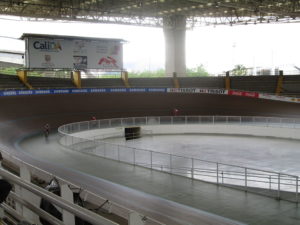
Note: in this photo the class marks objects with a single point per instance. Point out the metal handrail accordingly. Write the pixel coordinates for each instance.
(4, 150)
(212, 119)
(244, 174)
(53, 220)
(75, 209)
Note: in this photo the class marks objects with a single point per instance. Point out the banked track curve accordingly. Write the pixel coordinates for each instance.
(24, 115)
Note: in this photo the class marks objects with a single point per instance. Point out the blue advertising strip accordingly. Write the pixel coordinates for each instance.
(83, 90)
(136, 90)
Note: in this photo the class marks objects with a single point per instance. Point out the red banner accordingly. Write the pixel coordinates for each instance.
(244, 93)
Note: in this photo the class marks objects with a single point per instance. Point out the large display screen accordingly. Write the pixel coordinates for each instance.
(78, 54)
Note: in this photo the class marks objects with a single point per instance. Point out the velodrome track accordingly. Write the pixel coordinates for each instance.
(23, 115)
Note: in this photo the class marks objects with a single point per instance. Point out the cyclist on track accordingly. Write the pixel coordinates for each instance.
(46, 130)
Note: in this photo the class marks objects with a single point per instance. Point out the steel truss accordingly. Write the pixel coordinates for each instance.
(152, 12)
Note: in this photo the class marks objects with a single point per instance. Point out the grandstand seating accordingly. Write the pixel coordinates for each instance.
(291, 85)
(264, 84)
(162, 82)
(202, 82)
(50, 82)
(8, 82)
(103, 82)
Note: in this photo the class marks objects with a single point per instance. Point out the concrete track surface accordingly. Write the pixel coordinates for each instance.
(23, 115)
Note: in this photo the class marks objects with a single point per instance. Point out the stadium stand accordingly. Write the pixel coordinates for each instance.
(105, 83)
(8, 82)
(50, 82)
(201, 82)
(291, 85)
(163, 82)
(263, 84)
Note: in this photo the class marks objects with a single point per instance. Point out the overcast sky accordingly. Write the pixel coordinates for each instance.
(217, 48)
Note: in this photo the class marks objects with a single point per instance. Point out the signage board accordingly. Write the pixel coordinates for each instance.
(59, 52)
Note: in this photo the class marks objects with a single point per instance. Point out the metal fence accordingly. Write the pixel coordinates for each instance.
(266, 182)
(60, 201)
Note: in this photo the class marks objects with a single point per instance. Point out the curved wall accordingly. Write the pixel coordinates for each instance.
(21, 115)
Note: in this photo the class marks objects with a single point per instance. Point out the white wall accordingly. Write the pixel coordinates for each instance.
(225, 129)
(202, 129)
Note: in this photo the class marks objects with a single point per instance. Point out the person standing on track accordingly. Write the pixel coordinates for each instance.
(175, 112)
(46, 130)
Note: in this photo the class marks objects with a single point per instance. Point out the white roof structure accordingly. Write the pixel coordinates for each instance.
(11, 58)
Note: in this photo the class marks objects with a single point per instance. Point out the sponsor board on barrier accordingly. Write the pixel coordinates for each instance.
(150, 90)
(279, 98)
(61, 91)
(137, 90)
(117, 90)
(197, 90)
(244, 93)
(42, 92)
(8, 93)
(181, 90)
(98, 90)
(157, 89)
(217, 91)
(78, 91)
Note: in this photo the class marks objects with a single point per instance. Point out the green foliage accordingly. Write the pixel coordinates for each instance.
(198, 71)
(13, 71)
(35, 73)
(239, 70)
(109, 75)
(8, 70)
(147, 73)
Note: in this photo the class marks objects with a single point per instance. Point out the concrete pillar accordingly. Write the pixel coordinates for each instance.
(174, 32)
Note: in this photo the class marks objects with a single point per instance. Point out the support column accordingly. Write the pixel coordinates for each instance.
(124, 77)
(227, 81)
(175, 81)
(279, 86)
(76, 77)
(22, 74)
(174, 32)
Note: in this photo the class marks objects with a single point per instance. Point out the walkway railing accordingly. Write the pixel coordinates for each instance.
(266, 182)
(24, 183)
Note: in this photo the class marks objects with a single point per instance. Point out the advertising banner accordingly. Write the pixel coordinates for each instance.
(47, 53)
(78, 91)
(244, 93)
(278, 98)
(75, 54)
(198, 90)
(149, 90)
